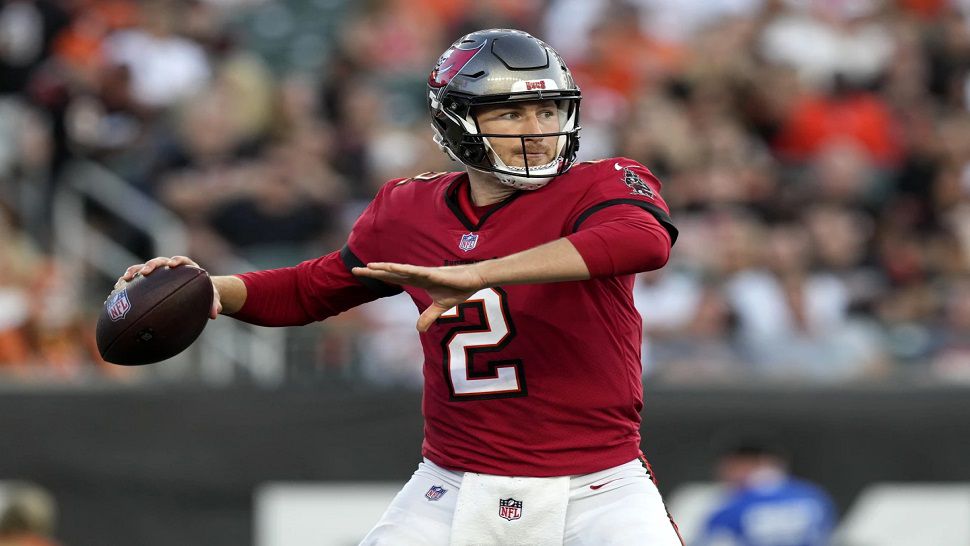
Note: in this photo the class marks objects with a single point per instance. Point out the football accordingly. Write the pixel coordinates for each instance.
(154, 317)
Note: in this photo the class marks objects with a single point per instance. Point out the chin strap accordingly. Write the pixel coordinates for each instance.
(525, 182)
(521, 182)
(517, 182)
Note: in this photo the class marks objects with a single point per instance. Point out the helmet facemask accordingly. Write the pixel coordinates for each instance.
(519, 170)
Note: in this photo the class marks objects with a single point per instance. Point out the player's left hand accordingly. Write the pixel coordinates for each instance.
(447, 286)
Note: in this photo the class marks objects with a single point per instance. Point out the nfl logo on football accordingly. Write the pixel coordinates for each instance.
(435, 493)
(468, 241)
(510, 508)
(118, 306)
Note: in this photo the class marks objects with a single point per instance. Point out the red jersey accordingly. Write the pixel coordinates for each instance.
(521, 380)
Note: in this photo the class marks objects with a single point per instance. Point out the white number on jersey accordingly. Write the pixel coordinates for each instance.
(504, 378)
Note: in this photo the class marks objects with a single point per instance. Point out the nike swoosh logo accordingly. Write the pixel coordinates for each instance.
(617, 167)
(597, 486)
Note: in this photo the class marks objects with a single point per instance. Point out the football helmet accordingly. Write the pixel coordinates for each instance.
(499, 66)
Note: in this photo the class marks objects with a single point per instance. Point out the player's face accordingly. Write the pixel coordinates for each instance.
(521, 118)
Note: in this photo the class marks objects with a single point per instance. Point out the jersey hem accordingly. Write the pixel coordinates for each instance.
(615, 458)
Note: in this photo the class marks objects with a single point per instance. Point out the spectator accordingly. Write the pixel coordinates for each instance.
(795, 323)
(763, 504)
(826, 40)
(689, 336)
(27, 30)
(163, 66)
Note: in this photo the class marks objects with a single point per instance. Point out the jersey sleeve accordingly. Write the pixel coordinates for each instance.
(621, 240)
(622, 181)
(311, 291)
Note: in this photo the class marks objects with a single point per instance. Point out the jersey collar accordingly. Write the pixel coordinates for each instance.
(458, 198)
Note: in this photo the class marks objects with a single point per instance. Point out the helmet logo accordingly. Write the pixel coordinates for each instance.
(451, 63)
(546, 84)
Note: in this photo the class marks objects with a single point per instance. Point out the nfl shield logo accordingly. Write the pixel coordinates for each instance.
(468, 241)
(118, 305)
(435, 493)
(510, 508)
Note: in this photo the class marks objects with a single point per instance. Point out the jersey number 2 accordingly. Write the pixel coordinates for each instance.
(502, 378)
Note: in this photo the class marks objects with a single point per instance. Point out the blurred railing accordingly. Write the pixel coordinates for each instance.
(228, 349)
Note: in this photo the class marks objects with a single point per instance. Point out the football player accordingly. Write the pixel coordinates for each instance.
(523, 266)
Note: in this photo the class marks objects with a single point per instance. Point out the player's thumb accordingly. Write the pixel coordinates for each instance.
(216, 305)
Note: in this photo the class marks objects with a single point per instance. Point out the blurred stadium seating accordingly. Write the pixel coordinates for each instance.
(815, 154)
(811, 152)
(897, 514)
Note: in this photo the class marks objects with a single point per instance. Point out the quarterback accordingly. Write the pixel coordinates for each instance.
(522, 266)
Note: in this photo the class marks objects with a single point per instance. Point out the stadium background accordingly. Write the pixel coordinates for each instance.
(815, 155)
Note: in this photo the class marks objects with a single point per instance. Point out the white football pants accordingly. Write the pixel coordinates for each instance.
(618, 506)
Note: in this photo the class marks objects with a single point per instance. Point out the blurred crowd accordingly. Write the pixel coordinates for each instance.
(815, 155)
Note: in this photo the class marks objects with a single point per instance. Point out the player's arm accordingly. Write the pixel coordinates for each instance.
(615, 241)
(232, 293)
(448, 286)
(290, 296)
(555, 261)
(620, 241)
(310, 291)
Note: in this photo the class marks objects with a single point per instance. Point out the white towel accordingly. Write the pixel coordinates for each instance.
(510, 511)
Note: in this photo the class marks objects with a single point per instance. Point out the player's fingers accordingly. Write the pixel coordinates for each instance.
(152, 265)
(416, 275)
(176, 261)
(385, 276)
(402, 269)
(367, 272)
(129, 273)
(424, 277)
(431, 314)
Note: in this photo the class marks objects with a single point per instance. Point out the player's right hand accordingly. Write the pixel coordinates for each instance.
(175, 261)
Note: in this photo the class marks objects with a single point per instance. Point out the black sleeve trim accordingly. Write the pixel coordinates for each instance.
(656, 211)
(380, 288)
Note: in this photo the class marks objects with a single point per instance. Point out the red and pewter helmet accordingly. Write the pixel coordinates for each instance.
(500, 66)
